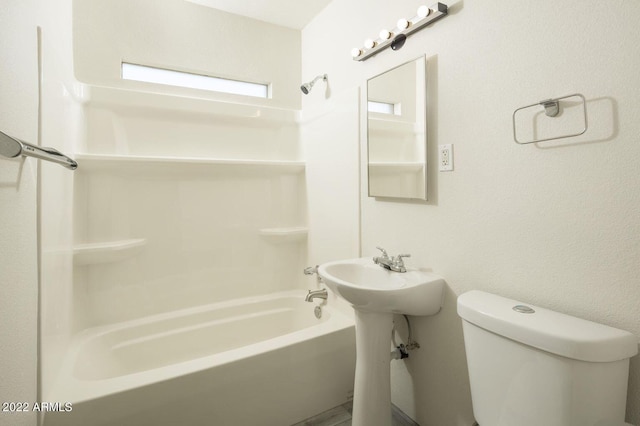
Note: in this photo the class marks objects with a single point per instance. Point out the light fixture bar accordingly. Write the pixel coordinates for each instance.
(433, 13)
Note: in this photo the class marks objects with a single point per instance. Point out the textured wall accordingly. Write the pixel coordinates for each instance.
(554, 224)
(18, 250)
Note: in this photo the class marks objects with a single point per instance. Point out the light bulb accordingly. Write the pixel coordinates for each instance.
(369, 44)
(403, 23)
(385, 35)
(355, 52)
(424, 11)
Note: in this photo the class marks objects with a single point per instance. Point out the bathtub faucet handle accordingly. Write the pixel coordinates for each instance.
(310, 270)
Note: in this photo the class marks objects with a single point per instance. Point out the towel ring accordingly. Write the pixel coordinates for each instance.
(551, 109)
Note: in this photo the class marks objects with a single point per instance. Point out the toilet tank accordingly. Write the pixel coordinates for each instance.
(530, 366)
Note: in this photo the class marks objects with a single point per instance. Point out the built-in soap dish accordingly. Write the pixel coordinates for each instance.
(284, 235)
(107, 252)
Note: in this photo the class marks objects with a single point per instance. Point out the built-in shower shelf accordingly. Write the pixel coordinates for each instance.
(284, 235)
(131, 164)
(127, 100)
(107, 252)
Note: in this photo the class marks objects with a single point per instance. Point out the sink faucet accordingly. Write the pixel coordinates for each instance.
(316, 294)
(395, 264)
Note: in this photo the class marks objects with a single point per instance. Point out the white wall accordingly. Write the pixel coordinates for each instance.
(327, 130)
(332, 195)
(188, 37)
(18, 248)
(554, 224)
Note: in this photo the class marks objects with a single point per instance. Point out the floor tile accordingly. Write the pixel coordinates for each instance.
(341, 416)
(335, 416)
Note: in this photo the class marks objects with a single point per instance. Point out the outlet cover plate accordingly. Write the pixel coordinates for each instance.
(445, 157)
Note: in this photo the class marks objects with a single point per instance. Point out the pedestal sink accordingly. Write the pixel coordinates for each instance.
(376, 294)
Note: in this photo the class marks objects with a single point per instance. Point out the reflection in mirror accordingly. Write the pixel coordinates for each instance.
(396, 128)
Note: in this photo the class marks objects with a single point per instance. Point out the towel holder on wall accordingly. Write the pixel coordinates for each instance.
(552, 109)
(11, 147)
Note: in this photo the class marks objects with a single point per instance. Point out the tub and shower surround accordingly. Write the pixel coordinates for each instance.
(189, 242)
(178, 203)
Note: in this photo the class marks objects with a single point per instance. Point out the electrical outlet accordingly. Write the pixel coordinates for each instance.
(445, 157)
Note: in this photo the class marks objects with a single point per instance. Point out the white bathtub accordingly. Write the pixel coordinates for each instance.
(258, 361)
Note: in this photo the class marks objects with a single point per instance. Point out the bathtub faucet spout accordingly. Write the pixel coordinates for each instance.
(317, 294)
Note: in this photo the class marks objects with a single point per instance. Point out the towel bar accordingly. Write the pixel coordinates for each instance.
(12, 147)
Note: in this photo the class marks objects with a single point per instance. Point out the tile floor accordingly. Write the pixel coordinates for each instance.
(341, 416)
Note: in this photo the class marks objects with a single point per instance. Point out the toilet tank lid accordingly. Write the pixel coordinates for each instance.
(547, 330)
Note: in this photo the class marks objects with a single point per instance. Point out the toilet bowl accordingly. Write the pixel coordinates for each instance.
(530, 366)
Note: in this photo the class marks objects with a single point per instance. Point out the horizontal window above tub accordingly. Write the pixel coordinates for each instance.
(193, 81)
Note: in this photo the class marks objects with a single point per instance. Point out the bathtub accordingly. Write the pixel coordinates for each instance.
(256, 361)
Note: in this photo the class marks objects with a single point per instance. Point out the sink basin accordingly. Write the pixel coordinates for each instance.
(369, 287)
(376, 294)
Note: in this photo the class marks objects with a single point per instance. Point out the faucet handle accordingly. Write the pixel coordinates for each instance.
(384, 252)
(310, 270)
(399, 260)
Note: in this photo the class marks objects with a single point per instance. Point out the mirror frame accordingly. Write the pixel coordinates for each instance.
(422, 196)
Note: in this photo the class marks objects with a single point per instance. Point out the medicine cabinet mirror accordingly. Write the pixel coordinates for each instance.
(397, 132)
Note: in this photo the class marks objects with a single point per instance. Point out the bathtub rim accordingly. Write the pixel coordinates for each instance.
(69, 388)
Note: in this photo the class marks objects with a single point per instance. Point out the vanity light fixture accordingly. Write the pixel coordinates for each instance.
(403, 24)
(398, 42)
(423, 11)
(396, 37)
(385, 34)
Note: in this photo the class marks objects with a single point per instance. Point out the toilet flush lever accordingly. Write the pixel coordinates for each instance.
(524, 309)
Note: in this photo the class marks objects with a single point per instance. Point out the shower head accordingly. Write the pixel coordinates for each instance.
(306, 87)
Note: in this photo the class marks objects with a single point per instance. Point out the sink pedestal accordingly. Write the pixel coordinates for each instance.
(372, 387)
(375, 294)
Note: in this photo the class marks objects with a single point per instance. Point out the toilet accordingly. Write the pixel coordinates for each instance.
(530, 366)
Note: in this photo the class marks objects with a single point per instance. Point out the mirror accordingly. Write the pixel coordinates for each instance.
(397, 132)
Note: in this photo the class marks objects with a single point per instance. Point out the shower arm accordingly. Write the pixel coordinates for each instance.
(322, 76)
(11, 147)
(306, 87)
